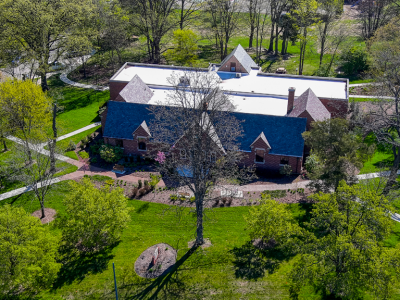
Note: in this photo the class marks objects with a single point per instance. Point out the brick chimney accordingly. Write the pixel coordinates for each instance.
(290, 99)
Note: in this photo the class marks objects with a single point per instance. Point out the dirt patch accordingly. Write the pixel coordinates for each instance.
(145, 267)
(50, 215)
(206, 244)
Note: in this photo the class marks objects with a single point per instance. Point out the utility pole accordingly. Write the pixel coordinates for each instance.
(115, 284)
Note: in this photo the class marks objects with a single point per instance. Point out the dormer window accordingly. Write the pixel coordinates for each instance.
(142, 144)
(183, 154)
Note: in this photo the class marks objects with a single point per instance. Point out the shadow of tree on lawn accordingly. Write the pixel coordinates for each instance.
(251, 262)
(75, 266)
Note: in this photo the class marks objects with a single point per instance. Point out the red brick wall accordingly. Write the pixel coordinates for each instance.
(115, 88)
(305, 114)
(337, 108)
(227, 67)
(131, 146)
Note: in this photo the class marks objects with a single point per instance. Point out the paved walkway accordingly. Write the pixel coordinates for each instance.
(65, 79)
(78, 131)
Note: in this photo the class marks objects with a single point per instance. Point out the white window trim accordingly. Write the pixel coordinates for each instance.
(255, 155)
(141, 137)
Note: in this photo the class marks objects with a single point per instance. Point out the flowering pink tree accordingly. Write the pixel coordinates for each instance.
(160, 157)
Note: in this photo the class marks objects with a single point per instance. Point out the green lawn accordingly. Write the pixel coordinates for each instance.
(63, 144)
(229, 269)
(6, 158)
(79, 106)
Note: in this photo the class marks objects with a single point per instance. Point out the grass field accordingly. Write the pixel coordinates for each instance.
(78, 106)
(229, 269)
(6, 158)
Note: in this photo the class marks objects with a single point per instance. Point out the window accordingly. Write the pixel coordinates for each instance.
(259, 155)
(284, 161)
(142, 144)
(119, 143)
(183, 154)
(213, 157)
(233, 67)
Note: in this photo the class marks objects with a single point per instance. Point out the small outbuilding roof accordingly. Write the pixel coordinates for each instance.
(283, 134)
(243, 58)
(309, 102)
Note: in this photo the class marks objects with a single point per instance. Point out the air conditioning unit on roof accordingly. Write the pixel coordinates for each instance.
(238, 75)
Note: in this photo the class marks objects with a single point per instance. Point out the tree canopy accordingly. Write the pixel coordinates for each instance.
(96, 217)
(27, 253)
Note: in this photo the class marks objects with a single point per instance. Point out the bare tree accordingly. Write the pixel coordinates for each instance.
(383, 119)
(277, 7)
(153, 19)
(330, 10)
(188, 9)
(225, 16)
(375, 14)
(196, 136)
(255, 8)
(37, 174)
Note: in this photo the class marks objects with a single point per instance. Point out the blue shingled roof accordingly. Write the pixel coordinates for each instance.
(282, 133)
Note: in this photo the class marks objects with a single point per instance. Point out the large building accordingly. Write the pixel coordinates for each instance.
(275, 109)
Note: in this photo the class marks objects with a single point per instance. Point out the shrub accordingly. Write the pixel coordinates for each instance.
(354, 61)
(84, 154)
(71, 146)
(155, 179)
(285, 170)
(134, 191)
(142, 191)
(109, 182)
(93, 160)
(146, 183)
(192, 199)
(139, 183)
(111, 153)
(84, 141)
(311, 163)
(173, 197)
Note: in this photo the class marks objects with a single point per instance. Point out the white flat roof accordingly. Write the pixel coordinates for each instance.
(251, 104)
(271, 84)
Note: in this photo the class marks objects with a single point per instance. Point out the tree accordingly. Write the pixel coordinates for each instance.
(375, 14)
(114, 30)
(384, 119)
(225, 16)
(25, 110)
(197, 133)
(273, 223)
(339, 152)
(345, 258)
(153, 19)
(184, 47)
(37, 172)
(188, 10)
(306, 14)
(96, 217)
(27, 253)
(42, 28)
(277, 7)
(331, 10)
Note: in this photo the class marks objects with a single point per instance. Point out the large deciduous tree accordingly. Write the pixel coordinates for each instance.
(375, 14)
(345, 257)
(26, 111)
(153, 19)
(184, 50)
(339, 151)
(196, 136)
(42, 29)
(96, 216)
(27, 253)
(225, 15)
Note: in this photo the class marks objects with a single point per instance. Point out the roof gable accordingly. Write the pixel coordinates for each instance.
(263, 138)
(144, 126)
(242, 57)
(136, 91)
(309, 102)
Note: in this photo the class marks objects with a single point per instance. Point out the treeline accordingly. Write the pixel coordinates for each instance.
(41, 33)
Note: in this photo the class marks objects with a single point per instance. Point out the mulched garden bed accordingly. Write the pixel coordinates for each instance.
(50, 215)
(144, 266)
